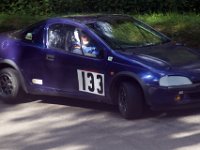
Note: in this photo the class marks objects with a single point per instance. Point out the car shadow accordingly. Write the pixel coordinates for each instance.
(112, 109)
(74, 103)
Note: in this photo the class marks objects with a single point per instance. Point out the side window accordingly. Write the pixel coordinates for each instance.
(56, 37)
(34, 35)
(73, 40)
(61, 37)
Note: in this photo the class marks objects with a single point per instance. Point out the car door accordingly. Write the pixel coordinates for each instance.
(31, 59)
(75, 73)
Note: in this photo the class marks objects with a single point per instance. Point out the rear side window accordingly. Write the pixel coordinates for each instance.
(34, 35)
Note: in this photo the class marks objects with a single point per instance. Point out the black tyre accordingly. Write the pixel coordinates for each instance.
(10, 88)
(130, 100)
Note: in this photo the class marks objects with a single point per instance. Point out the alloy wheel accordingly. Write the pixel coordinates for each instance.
(122, 100)
(6, 86)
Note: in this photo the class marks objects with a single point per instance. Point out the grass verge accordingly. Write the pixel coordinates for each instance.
(13, 22)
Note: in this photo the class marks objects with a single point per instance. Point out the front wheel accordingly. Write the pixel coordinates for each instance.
(130, 100)
(10, 88)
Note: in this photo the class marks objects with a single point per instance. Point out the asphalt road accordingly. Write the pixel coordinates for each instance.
(65, 124)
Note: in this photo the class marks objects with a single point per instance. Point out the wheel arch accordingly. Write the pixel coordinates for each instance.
(11, 64)
(126, 76)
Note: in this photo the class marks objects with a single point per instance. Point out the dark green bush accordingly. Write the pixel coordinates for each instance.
(45, 7)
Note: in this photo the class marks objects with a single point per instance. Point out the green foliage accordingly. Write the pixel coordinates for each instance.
(33, 7)
(181, 28)
(47, 7)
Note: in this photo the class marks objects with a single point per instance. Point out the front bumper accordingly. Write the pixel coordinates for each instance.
(173, 97)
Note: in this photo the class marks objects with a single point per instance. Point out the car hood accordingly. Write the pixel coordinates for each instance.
(168, 56)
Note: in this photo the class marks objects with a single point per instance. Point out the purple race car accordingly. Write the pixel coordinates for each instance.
(114, 59)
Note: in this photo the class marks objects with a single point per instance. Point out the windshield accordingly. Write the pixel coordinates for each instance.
(122, 32)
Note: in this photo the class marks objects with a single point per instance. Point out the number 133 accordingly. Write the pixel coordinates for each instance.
(91, 82)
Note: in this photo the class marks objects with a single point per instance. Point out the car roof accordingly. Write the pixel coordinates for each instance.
(85, 19)
(95, 17)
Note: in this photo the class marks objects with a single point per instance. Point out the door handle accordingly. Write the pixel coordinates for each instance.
(50, 57)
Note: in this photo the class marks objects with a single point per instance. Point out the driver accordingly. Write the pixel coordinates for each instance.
(88, 48)
(81, 44)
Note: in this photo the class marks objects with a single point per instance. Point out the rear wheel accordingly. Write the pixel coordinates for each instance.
(130, 100)
(10, 87)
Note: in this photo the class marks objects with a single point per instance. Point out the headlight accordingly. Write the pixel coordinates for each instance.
(174, 81)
